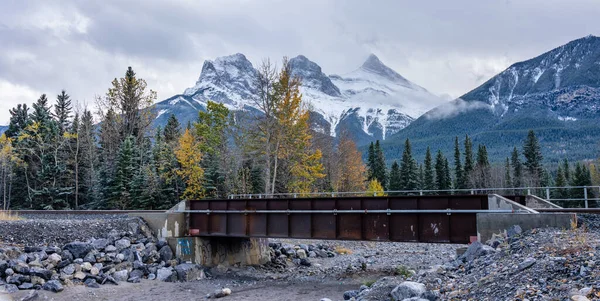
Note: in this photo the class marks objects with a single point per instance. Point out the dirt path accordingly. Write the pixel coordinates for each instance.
(159, 291)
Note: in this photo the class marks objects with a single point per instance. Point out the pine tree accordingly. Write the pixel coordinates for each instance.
(62, 111)
(380, 172)
(507, 171)
(371, 162)
(408, 169)
(172, 130)
(210, 130)
(469, 165)
(459, 182)
(482, 174)
(41, 110)
(429, 182)
(560, 181)
(421, 177)
(517, 168)
(88, 192)
(581, 177)
(19, 120)
(395, 177)
(533, 157)
(441, 180)
(121, 189)
(447, 176)
(567, 170)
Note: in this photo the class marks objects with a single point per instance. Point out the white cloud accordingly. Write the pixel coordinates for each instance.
(16, 94)
(445, 46)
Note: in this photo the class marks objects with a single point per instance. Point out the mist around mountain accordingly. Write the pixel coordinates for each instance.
(557, 94)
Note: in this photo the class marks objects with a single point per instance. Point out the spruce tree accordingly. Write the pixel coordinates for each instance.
(517, 168)
(533, 156)
(62, 111)
(395, 177)
(380, 168)
(172, 130)
(421, 178)
(19, 119)
(567, 170)
(408, 169)
(371, 162)
(459, 181)
(440, 172)
(469, 165)
(447, 176)
(560, 181)
(428, 176)
(41, 110)
(507, 171)
(120, 191)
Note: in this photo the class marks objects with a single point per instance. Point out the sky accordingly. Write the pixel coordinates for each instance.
(448, 47)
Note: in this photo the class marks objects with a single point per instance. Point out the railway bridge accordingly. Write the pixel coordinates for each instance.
(236, 230)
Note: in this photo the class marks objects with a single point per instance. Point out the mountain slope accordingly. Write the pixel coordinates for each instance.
(372, 102)
(557, 94)
(3, 129)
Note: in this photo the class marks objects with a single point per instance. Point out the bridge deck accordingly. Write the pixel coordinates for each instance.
(410, 218)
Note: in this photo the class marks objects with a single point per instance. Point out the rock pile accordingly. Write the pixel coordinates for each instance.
(299, 254)
(120, 256)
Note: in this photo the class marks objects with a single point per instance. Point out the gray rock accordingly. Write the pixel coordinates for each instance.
(90, 282)
(53, 286)
(161, 243)
(69, 270)
(189, 272)
(408, 289)
(33, 295)
(67, 255)
(166, 253)
(312, 254)
(514, 231)
(301, 254)
(151, 276)
(528, 262)
(122, 244)
(325, 299)
(26, 286)
(90, 257)
(134, 280)
(475, 250)
(100, 244)
(166, 274)
(110, 248)
(350, 294)
(134, 228)
(54, 258)
(136, 274)
(8, 288)
(121, 275)
(9, 272)
(42, 273)
(78, 249)
(305, 262)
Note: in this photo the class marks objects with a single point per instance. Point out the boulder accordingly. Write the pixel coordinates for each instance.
(166, 253)
(90, 282)
(122, 244)
(42, 273)
(78, 249)
(8, 288)
(26, 286)
(301, 254)
(54, 258)
(136, 274)
(189, 272)
(121, 275)
(90, 257)
(350, 294)
(110, 249)
(53, 286)
(475, 250)
(166, 274)
(67, 255)
(408, 289)
(100, 244)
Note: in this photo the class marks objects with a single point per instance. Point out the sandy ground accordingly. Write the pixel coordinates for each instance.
(153, 290)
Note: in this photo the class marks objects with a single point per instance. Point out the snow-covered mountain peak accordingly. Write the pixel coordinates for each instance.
(375, 66)
(226, 70)
(312, 76)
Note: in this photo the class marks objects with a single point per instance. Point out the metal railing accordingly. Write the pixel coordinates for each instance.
(584, 194)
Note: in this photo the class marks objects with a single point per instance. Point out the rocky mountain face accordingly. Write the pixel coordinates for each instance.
(3, 129)
(557, 94)
(372, 102)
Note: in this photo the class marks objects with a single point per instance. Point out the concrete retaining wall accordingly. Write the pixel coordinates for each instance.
(534, 202)
(490, 223)
(497, 202)
(213, 251)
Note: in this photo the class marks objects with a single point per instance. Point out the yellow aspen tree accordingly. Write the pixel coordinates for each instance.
(295, 146)
(189, 157)
(351, 173)
(374, 188)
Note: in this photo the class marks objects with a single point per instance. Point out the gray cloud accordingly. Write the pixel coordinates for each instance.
(445, 46)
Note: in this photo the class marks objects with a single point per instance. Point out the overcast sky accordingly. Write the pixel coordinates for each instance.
(448, 47)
